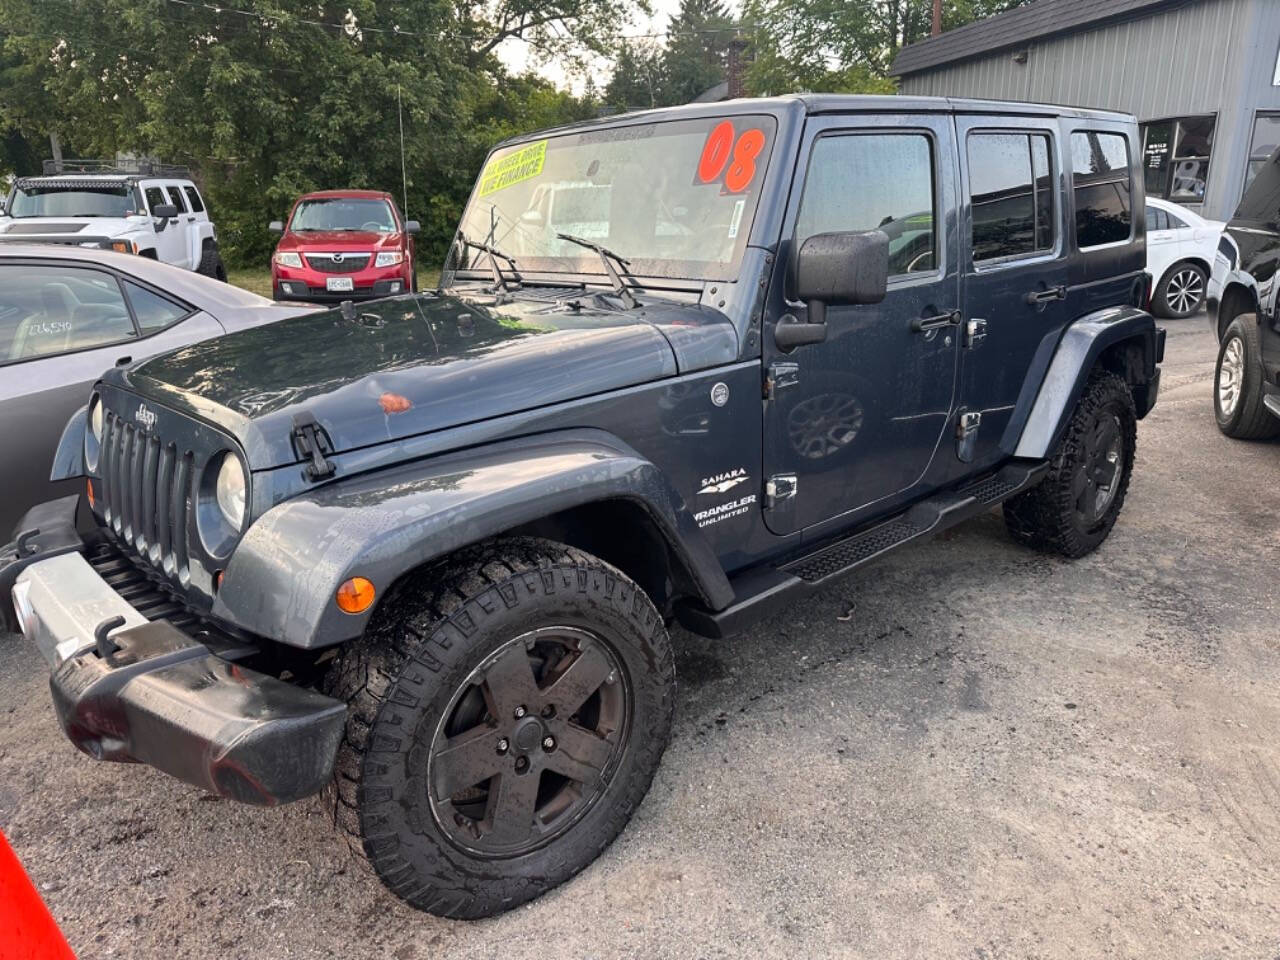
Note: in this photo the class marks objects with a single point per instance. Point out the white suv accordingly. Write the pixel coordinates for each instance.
(152, 211)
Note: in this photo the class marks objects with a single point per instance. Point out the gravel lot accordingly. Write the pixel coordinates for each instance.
(966, 751)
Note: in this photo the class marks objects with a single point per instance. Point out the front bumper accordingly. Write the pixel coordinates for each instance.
(305, 283)
(127, 689)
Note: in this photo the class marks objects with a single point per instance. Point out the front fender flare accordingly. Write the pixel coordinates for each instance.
(1077, 352)
(282, 577)
(68, 458)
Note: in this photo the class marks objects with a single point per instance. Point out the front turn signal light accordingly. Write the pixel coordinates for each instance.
(355, 595)
(123, 246)
(89, 486)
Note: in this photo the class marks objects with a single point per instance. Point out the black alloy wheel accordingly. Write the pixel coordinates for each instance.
(529, 742)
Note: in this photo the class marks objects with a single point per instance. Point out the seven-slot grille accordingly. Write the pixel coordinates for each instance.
(147, 491)
(337, 262)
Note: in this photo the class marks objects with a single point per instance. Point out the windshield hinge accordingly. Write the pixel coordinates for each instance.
(311, 443)
(779, 376)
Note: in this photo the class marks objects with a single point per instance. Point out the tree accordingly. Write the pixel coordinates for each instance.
(836, 46)
(266, 99)
(697, 49)
(639, 77)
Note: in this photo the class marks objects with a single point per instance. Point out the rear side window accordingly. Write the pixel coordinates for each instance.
(175, 197)
(155, 197)
(1157, 219)
(153, 311)
(1011, 195)
(193, 195)
(46, 310)
(1100, 168)
(894, 177)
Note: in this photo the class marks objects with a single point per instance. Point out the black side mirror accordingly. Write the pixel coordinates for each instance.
(834, 268)
(842, 268)
(275, 226)
(164, 211)
(412, 226)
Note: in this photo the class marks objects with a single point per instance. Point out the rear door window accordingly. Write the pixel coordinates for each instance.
(193, 195)
(47, 310)
(153, 311)
(1100, 173)
(1156, 219)
(1011, 195)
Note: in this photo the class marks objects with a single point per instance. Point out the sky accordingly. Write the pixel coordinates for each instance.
(515, 54)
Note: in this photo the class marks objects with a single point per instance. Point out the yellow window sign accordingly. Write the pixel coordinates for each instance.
(524, 164)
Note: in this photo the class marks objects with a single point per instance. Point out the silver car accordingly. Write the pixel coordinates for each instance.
(67, 314)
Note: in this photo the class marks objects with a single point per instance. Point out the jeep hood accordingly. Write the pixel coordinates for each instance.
(414, 364)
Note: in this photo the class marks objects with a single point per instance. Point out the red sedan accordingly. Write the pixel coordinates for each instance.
(343, 245)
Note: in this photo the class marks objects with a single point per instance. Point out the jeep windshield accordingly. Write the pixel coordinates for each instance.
(339, 213)
(77, 201)
(675, 199)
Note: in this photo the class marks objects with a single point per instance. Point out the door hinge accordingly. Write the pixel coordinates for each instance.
(311, 444)
(779, 376)
(974, 331)
(967, 425)
(778, 488)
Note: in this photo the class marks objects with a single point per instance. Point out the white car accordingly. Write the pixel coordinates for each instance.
(1181, 247)
(153, 211)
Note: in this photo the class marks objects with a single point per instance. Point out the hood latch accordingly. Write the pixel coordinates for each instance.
(311, 443)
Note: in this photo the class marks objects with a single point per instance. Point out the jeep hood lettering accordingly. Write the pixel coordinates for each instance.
(405, 366)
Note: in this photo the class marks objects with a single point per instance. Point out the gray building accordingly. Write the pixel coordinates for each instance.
(1201, 76)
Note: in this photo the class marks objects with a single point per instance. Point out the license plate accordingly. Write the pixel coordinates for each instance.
(339, 284)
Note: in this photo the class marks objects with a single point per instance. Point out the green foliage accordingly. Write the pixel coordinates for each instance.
(836, 46)
(264, 105)
(693, 59)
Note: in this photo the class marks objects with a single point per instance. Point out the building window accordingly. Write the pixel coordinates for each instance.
(1011, 193)
(1175, 156)
(1100, 168)
(894, 174)
(1265, 140)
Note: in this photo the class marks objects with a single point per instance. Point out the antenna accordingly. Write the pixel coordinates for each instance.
(404, 179)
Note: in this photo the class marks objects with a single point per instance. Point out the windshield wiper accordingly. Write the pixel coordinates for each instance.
(606, 256)
(499, 282)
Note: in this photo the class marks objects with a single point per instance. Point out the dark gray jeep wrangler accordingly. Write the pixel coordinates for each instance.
(685, 365)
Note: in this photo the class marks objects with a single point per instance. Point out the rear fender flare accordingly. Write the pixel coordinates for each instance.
(1077, 353)
(281, 579)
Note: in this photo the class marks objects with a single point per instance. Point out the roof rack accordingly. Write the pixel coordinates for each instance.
(136, 168)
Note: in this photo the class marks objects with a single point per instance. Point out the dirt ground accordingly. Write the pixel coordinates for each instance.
(966, 751)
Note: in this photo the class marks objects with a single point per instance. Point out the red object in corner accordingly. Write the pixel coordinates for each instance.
(27, 929)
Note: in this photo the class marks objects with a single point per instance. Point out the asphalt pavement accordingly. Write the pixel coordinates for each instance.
(968, 750)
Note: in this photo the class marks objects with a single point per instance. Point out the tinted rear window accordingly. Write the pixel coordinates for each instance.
(1011, 192)
(1100, 165)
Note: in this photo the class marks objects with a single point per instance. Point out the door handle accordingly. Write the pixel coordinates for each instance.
(191, 219)
(1044, 296)
(924, 324)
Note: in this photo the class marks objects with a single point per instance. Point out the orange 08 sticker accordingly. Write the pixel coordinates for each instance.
(720, 149)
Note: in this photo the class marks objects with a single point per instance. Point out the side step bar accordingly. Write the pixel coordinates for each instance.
(761, 590)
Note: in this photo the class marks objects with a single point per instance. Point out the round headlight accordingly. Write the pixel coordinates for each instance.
(229, 491)
(93, 436)
(95, 417)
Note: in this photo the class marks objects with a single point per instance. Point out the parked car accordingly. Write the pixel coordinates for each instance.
(153, 211)
(68, 313)
(1181, 246)
(344, 245)
(432, 562)
(1242, 312)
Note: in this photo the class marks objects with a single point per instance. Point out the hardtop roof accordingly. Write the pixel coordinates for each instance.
(825, 103)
